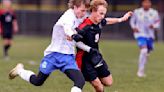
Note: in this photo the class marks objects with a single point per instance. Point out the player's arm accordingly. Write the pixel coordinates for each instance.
(15, 26)
(0, 23)
(156, 22)
(96, 57)
(0, 28)
(133, 22)
(72, 34)
(118, 20)
(15, 23)
(66, 21)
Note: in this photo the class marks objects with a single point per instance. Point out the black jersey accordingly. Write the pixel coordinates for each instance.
(91, 33)
(6, 19)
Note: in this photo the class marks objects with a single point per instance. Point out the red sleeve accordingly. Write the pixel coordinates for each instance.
(81, 26)
(0, 28)
(85, 23)
(0, 21)
(1, 11)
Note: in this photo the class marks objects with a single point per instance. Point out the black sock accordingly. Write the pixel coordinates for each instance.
(6, 48)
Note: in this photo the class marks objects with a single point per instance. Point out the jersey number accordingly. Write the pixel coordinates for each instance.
(97, 36)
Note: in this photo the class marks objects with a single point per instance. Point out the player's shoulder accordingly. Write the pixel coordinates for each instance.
(69, 13)
(86, 22)
(68, 16)
(153, 11)
(138, 9)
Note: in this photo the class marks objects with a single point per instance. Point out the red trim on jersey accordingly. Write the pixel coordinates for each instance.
(2, 11)
(80, 53)
(0, 28)
(86, 22)
(79, 58)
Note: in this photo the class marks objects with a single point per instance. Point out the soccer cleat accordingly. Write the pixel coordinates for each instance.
(14, 72)
(141, 74)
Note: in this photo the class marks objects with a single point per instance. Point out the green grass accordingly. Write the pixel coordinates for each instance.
(121, 57)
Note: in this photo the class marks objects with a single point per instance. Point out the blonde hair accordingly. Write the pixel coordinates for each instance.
(78, 3)
(95, 3)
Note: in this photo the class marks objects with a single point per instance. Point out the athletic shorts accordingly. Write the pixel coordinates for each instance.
(149, 42)
(59, 61)
(90, 73)
(7, 35)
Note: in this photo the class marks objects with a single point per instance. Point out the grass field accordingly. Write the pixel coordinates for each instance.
(121, 57)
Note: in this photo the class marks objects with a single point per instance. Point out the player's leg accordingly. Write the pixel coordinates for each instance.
(142, 42)
(150, 44)
(98, 86)
(70, 68)
(39, 79)
(7, 41)
(107, 81)
(45, 69)
(91, 74)
(28, 75)
(104, 74)
(78, 79)
(7, 44)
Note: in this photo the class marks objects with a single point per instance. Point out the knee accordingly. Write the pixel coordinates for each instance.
(99, 88)
(144, 51)
(108, 81)
(98, 85)
(36, 81)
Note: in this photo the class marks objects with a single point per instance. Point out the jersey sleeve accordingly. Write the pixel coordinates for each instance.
(133, 20)
(14, 16)
(83, 31)
(156, 20)
(0, 15)
(103, 22)
(67, 22)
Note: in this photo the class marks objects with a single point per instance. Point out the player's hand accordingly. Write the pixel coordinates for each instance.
(15, 31)
(126, 16)
(96, 58)
(0, 31)
(69, 38)
(151, 27)
(135, 30)
(77, 37)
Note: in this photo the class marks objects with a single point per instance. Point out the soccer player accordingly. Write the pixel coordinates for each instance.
(95, 71)
(8, 26)
(144, 22)
(60, 53)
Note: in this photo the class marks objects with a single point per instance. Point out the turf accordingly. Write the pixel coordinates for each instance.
(121, 56)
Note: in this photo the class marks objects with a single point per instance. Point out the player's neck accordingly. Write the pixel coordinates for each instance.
(146, 9)
(93, 20)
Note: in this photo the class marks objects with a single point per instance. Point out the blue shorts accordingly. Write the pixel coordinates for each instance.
(149, 42)
(59, 61)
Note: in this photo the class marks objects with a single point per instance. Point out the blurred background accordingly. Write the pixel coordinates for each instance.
(37, 17)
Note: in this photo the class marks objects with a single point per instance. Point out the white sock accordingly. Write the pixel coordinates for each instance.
(75, 89)
(142, 59)
(25, 74)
